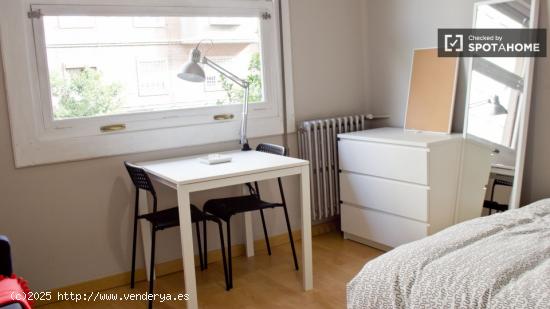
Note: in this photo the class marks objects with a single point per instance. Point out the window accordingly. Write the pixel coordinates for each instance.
(118, 87)
(149, 22)
(152, 78)
(75, 22)
(214, 81)
(223, 21)
(211, 83)
(117, 63)
(71, 71)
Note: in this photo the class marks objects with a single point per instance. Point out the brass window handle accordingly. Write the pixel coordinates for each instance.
(224, 117)
(122, 126)
(113, 128)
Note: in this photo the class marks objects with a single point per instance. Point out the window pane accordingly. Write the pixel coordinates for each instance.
(483, 121)
(114, 65)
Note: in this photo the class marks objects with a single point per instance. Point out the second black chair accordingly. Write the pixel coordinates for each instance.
(504, 181)
(164, 219)
(225, 208)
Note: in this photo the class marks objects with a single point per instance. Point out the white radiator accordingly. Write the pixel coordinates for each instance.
(317, 144)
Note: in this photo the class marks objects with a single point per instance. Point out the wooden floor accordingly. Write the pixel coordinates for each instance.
(262, 281)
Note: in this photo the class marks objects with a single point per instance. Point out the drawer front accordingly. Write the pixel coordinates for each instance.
(385, 160)
(380, 227)
(400, 198)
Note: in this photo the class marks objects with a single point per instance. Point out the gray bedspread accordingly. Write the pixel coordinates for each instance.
(500, 261)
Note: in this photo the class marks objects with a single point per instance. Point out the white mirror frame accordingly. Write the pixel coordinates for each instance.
(524, 110)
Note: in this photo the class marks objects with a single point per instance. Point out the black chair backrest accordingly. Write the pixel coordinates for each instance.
(273, 149)
(276, 150)
(504, 182)
(139, 178)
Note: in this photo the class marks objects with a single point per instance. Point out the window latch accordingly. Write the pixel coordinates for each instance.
(35, 14)
(224, 117)
(112, 128)
(266, 16)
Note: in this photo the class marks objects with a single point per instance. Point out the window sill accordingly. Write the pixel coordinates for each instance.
(38, 152)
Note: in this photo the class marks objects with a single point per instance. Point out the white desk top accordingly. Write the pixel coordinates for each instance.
(187, 170)
(400, 136)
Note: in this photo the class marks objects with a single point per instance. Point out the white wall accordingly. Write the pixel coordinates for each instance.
(394, 29)
(327, 43)
(71, 222)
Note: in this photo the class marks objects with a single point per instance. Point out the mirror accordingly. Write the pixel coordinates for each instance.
(497, 108)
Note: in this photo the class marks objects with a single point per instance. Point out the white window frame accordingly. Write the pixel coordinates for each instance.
(37, 139)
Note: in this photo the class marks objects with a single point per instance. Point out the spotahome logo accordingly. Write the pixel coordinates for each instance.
(454, 43)
(492, 42)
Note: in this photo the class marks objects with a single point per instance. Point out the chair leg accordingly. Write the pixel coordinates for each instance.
(291, 238)
(205, 244)
(199, 245)
(152, 266)
(265, 232)
(229, 263)
(224, 258)
(133, 275)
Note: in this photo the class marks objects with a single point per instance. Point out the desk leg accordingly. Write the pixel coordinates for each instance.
(186, 235)
(145, 228)
(249, 234)
(307, 262)
(248, 229)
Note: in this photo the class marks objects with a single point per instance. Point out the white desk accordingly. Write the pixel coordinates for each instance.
(188, 175)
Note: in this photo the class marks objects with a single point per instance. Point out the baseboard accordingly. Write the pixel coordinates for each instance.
(175, 266)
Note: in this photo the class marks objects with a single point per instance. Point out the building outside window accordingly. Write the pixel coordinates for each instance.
(134, 86)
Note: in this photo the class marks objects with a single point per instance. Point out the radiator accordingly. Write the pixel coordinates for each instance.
(317, 144)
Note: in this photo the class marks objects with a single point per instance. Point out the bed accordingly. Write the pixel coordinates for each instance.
(500, 261)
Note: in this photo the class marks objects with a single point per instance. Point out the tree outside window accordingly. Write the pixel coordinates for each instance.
(83, 93)
(235, 94)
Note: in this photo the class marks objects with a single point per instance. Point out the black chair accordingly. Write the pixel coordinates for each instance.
(164, 219)
(491, 204)
(6, 267)
(5, 257)
(225, 208)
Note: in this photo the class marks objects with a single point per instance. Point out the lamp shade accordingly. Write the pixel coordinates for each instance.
(498, 109)
(192, 71)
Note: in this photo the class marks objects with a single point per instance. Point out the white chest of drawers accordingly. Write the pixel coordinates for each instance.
(397, 186)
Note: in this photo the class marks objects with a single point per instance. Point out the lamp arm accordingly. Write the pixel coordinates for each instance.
(246, 86)
(234, 78)
(244, 123)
